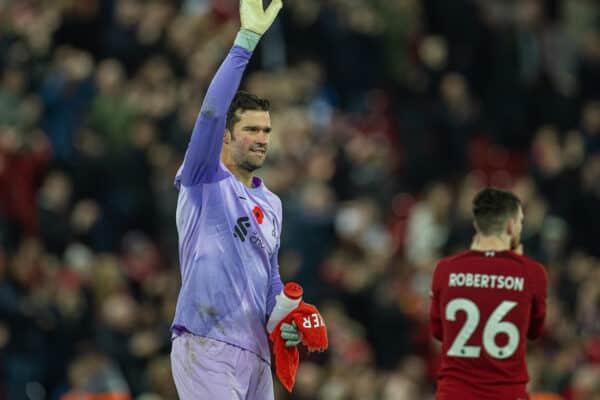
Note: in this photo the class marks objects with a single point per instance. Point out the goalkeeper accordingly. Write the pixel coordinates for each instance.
(229, 227)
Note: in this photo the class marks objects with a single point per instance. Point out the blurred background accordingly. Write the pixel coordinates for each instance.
(389, 115)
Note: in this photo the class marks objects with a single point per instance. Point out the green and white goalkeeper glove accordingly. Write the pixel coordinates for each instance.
(255, 18)
(291, 334)
(255, 21)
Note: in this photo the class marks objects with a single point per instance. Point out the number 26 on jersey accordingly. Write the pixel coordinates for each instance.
(493, 326)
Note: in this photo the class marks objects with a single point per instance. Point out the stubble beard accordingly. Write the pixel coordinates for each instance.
(246, 163)
(250, 166)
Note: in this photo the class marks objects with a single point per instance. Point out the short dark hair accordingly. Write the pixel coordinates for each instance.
(492, 208)
(244, 101)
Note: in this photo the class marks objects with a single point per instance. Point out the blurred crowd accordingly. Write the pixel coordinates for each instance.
(388, 117)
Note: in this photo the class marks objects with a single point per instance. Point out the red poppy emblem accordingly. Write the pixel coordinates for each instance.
(258, 214)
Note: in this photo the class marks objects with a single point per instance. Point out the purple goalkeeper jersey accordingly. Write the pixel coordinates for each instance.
(228, 233)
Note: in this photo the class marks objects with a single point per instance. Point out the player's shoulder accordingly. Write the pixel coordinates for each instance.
(272, 198)
(528, 262)
(448, 261)
(451, 259)
(271, 195)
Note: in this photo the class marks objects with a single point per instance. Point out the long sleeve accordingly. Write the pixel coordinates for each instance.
(276, 283)
(538, 308)
(202, 158)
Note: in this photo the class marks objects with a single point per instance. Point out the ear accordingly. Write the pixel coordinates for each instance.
(227, 136)
(510, 226)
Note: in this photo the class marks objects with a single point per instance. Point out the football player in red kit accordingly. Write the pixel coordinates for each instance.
(486, 302)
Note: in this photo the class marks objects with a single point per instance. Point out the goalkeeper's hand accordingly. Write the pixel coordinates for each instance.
(291, 334)
(255, 18)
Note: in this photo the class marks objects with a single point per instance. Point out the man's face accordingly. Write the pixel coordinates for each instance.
(250, 139)
(515, 238)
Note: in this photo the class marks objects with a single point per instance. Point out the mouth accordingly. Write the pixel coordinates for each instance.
(260, 152)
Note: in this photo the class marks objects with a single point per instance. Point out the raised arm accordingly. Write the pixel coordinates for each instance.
(201, 163)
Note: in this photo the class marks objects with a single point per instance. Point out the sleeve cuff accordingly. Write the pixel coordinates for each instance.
(247, 39)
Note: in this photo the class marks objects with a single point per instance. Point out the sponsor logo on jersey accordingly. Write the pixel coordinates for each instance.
(242, 230)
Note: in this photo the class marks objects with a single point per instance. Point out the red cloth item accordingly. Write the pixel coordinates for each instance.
(314, 336)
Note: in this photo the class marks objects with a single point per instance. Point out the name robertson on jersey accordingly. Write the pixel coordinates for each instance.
(486, 281)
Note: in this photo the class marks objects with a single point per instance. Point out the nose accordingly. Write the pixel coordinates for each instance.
(263, 138)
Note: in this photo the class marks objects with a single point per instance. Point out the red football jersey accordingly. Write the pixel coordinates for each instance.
(484, 307)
